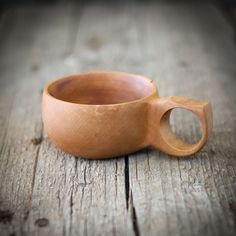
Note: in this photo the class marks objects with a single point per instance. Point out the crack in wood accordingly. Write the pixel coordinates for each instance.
(83, 186)
(116, 173)
(71, 208)
(72, 193)
(134, 216)
(36, 160)
(71, 203)
(129, 199)
(148, 163)
(105, 183)
(127, 184)
(59, 198)
(82, 198)
(85, 181)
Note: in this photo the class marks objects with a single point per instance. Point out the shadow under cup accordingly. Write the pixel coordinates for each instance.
(101, 88)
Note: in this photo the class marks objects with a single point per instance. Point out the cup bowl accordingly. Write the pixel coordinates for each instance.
(98, 114)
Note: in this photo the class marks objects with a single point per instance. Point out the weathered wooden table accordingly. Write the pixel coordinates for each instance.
(189, 50)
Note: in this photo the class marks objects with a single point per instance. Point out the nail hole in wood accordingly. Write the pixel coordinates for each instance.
(36, 141)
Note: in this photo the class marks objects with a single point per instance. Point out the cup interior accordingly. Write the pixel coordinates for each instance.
(101, 88)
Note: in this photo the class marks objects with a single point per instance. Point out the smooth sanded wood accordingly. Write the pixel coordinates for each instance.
(188, 50)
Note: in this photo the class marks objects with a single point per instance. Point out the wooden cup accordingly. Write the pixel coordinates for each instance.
(99, 115)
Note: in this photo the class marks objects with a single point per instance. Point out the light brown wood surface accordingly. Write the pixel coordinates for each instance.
(107, 114)
(188, 50)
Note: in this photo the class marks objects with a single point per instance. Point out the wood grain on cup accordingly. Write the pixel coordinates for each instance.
(105, 114)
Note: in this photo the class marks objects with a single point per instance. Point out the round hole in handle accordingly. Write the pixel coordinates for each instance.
(176, 139)
(185, 125)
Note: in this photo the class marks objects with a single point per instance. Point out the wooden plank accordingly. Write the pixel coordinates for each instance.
(190, 46)
(23, 73)
(44, 191)
(73, 196)
(16, 129)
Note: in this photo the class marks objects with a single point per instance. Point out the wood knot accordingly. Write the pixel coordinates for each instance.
(36, 141)
(6, 216)
(41, 222)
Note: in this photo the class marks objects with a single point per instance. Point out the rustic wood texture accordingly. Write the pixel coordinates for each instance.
(188, 50)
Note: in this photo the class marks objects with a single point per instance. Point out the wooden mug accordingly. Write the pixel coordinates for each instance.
(99, 115)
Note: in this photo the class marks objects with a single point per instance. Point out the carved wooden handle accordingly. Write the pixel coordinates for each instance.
(162, 136)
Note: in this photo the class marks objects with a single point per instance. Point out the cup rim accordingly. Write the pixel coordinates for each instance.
(151, 94)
